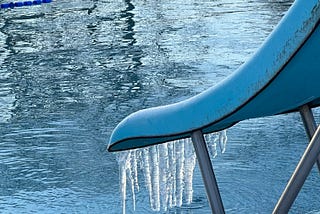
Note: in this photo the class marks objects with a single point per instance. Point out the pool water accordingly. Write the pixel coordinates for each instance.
(71, 70)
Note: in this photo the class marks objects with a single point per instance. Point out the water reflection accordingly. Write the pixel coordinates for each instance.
(7, 97)
(46, 145)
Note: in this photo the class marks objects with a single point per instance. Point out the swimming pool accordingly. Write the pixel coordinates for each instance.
(71, 70)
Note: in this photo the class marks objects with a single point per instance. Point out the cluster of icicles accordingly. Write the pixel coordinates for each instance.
(167, 171)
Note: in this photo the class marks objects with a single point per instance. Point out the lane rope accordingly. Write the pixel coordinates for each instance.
(23, 3)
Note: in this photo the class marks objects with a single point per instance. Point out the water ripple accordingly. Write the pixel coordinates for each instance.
(71, 70)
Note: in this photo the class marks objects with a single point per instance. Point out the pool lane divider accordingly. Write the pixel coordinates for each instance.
(23, 3)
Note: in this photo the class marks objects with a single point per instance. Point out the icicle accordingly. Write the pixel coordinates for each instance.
(126, 170)
(180, 172)
(147, 174)
(122, 160)
(223, 140)
(123, 187)
(172, 174)
(134, 160)
(130, 168)
(190, 163)
(211, 144)
(164, 174)
(167, 169)
(155, 178)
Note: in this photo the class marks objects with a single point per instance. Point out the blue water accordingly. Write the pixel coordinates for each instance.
(71, 70)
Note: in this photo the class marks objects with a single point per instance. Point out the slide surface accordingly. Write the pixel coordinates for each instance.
(281, 76)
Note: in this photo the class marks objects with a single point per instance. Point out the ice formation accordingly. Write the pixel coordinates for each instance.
(167, 171)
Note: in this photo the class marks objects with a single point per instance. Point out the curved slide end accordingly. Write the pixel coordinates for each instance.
(269, 83)
(160, 124)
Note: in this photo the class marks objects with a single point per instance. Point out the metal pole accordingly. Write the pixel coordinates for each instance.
(208, 176)
(309, 124)
(299, 175)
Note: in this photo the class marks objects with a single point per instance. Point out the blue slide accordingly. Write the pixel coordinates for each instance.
(283, 75)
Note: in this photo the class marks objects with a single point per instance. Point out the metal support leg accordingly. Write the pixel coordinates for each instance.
(299, 175)
(208, 176)
(309, 124)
